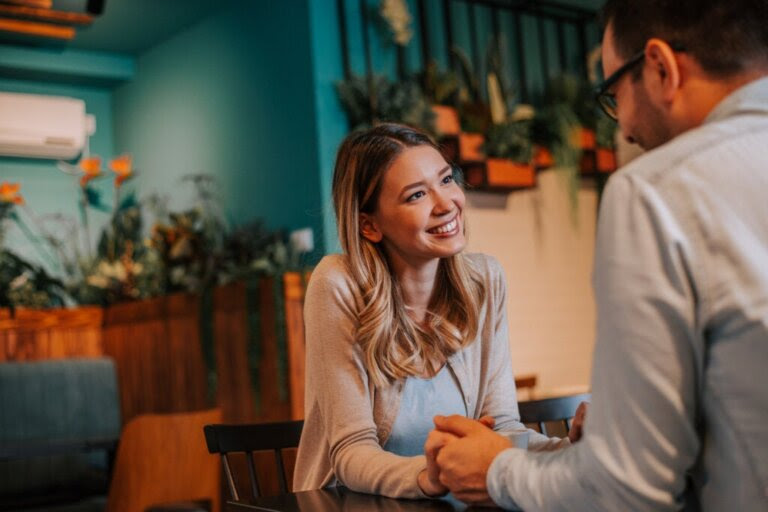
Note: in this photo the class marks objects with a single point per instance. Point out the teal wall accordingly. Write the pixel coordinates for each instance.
(247, 95)
(230, 96)
(327, 62)
(47, 190)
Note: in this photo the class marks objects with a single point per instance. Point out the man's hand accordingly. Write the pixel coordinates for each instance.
(463, 463)
(429, 479)
(577, 425)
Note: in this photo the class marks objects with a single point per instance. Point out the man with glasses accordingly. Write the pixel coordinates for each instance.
(679, 414)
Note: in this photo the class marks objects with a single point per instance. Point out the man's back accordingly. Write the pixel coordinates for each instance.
(716, 196)
(681, 284)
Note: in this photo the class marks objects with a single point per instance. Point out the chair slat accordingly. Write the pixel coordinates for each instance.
(252, 475)
(281, 471)
(559, 409)
(230, 480)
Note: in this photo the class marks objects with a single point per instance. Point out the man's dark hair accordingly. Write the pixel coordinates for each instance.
(726, 37)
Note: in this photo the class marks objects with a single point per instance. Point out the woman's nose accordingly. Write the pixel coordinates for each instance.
(443, 203)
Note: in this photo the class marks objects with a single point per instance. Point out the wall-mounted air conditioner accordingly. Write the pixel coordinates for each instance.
(37, 126)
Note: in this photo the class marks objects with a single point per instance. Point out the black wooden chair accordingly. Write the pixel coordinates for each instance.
(551, 410)
(249, 438)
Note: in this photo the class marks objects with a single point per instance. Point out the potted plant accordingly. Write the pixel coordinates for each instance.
(510, 154)
(368, 101)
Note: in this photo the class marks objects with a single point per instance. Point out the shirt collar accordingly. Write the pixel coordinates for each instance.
(750, 98)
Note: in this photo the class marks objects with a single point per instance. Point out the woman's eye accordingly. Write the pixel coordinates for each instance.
(448, 179)
(415, 195)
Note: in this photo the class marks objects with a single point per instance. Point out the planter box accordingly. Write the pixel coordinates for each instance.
(505, 173)
(163, 356)
(446, 120)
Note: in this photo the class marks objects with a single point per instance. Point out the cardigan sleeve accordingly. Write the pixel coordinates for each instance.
(337, 377)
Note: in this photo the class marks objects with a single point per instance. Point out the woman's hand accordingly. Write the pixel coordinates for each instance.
(429, 479)
(577, 425)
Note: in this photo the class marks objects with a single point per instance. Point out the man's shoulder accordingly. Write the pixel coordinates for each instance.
(691, 151)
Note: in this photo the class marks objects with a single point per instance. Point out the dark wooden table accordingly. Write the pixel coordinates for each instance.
(342, 499)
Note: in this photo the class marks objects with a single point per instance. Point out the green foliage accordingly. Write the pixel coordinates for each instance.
(440, 87)
(605, 132)
(25, 284)
(187, 251)
(474, 111)
(370, 101)
(511, 139)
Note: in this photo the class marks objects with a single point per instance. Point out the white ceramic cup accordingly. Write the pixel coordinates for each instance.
(518, 438)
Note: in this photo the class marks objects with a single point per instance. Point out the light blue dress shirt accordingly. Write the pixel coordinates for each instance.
(680, 372)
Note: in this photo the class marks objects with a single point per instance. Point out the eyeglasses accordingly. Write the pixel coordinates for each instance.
(607, 99)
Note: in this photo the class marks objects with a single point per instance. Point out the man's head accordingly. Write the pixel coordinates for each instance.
(690, 54)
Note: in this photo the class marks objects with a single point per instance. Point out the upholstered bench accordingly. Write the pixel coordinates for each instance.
(59, 426)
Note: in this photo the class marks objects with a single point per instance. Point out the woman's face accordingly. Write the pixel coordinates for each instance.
(418, 217)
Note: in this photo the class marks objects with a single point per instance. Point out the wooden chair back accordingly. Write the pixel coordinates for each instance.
(250, 438)
(161, 460)
(551, 410)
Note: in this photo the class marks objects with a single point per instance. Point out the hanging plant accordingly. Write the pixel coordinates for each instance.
(367, 102)
(510, 139)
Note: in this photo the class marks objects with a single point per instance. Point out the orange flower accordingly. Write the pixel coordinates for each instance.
(91, 167)
(121, 166)
(9, 193)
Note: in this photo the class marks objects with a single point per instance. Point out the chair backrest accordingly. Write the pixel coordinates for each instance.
(548, 410)
(249, 438)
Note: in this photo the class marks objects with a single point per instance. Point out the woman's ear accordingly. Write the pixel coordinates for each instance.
(369, 229)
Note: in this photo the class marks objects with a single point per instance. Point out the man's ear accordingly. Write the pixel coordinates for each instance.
(666, 75)
(369, 229)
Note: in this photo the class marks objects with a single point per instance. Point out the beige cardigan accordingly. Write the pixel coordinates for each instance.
(348, 420)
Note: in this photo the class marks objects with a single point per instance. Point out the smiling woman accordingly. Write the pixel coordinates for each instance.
(401, 327)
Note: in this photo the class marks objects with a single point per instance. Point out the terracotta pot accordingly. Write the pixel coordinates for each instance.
(446, 120)
(471, 146)
(542, 158)
(503, 172)
(584, 138)
(606, 160)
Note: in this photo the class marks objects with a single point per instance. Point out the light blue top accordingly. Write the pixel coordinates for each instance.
(423, 399)
(681, 358)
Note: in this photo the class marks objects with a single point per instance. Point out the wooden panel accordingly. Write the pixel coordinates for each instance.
(163, 459)
(33, 28)
(156, 346)
(18, 11)
(295, 288)
(273, 407)
(33, 335)
(230, 327)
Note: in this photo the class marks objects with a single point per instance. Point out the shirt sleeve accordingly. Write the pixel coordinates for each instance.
(336, 371)
(640, 435)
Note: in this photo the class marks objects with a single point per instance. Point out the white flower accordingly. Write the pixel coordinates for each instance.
(396, 14)
(523, 112)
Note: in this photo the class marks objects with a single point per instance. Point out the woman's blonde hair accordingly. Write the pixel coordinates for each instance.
(393, 344)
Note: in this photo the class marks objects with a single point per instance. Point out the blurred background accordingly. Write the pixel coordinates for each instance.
(165, 174)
